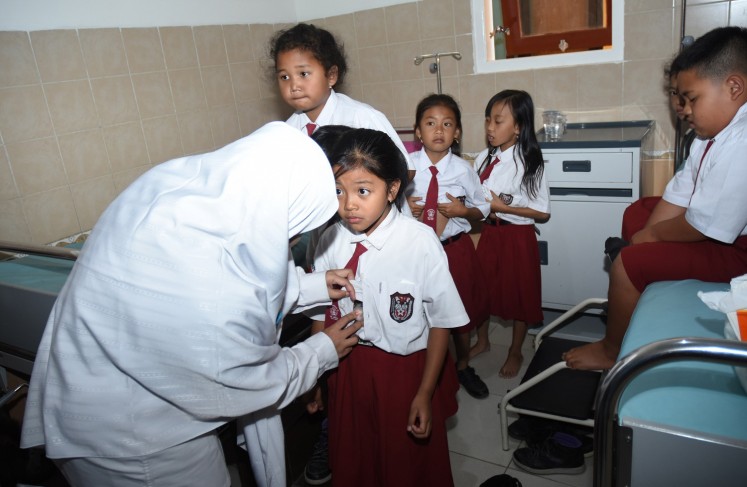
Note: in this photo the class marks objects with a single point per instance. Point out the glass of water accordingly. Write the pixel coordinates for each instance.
(553, 122)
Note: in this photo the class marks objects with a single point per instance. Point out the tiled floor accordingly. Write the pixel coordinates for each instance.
(474, 433)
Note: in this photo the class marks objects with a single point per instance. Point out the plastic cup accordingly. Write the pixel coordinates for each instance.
(554, 124)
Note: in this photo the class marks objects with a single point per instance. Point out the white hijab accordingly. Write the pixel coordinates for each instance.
(166, 326)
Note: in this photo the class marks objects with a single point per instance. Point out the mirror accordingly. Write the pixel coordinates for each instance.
(510, 35)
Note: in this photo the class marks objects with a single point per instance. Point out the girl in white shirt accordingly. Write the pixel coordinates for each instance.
(518, 194)
(457, 198)
(389, 400)
(309, 63)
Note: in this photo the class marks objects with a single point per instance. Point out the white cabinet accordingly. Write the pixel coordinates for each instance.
(594, 174)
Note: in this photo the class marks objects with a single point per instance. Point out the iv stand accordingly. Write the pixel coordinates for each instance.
(436, 67)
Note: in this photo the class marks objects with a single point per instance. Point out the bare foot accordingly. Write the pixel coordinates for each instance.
(594, 356)
(478, 348)
(511, 365)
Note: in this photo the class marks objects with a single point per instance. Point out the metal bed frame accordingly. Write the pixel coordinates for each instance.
(620, 376)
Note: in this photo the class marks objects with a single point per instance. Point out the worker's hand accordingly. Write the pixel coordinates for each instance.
(338, 283)
(342, 335)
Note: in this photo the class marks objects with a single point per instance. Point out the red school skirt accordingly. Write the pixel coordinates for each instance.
(467, 273)
(369, 401)
(510, 260)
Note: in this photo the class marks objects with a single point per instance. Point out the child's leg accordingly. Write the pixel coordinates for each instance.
(513, 362)
(483, 341)
(622, 299)
(461, 346)
(467, 376)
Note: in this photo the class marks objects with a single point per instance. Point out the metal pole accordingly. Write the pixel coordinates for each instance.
(678, 123)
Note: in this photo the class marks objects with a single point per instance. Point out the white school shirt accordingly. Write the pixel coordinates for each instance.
(403, 280)
(481, 165)
(718, 208)
(340, 109)
(506, 178)
(456, 177)
(168, 323)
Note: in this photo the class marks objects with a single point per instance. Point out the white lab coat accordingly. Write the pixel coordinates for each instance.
(168, 324)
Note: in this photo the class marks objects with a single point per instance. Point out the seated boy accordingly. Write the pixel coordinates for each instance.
(698, 230)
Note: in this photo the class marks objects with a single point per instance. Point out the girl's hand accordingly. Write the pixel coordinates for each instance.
(454, 209)
(338, 283)
(419, 422)
(497, 205)
(313, 399)
(415, 208)
(342, 335)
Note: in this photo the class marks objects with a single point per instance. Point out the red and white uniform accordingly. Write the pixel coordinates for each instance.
(404, 283)
(508, 249)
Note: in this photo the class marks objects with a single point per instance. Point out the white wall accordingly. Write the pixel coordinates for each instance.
(315, 9)
(28, 15)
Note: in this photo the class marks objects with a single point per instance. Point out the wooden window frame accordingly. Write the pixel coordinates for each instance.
(580, 40)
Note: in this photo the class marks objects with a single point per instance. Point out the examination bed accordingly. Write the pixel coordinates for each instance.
(29, 285)
(672, 411)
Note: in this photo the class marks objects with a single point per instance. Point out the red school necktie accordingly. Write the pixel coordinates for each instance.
(486, 173)
(333, 312)
(695, 183)
(310, 127)
(431, 200)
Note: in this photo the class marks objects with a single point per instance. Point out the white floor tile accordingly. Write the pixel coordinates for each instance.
(474, 433)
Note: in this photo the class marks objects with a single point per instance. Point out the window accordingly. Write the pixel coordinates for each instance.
(594, 33)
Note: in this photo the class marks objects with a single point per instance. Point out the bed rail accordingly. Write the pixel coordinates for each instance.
(630, 366)
(47, 251)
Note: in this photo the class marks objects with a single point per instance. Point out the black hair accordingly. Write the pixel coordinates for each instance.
(327, 136)
(527, 146)
(446, 101)
(714, 55)
(318, 42)
(375, 152)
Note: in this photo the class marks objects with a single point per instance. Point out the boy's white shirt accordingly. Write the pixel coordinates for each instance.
(717, 203)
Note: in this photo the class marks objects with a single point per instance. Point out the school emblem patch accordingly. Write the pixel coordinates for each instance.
(400, 307)
(334, 312)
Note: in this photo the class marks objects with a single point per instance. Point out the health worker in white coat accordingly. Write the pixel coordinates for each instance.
(168, 324)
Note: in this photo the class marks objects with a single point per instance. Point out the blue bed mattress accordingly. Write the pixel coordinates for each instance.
(702, 399)
(28, 288)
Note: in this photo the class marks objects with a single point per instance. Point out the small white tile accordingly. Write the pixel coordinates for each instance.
(475, 430)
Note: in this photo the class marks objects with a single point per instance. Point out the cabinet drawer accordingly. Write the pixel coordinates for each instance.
(589, 167)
